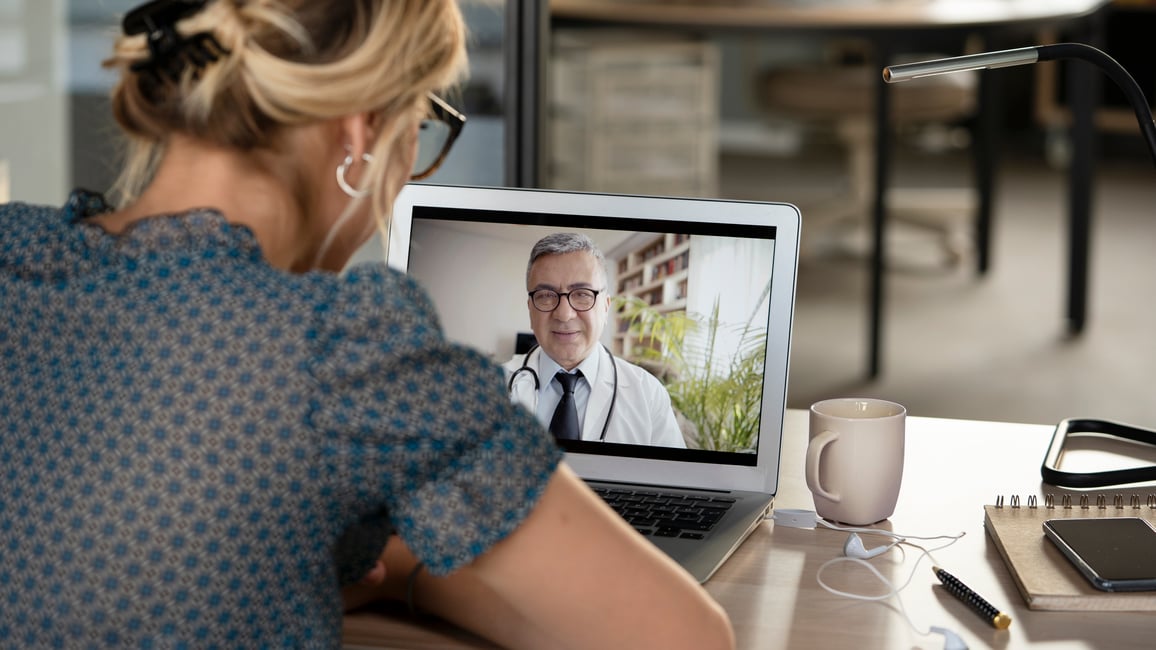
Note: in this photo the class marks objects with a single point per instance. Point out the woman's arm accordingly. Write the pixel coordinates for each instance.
(460, 598)
(583, 573)
(572, 575)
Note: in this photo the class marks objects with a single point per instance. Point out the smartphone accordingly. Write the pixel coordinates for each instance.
(1113, 553)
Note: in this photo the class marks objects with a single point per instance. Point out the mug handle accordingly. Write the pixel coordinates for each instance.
(814, 455)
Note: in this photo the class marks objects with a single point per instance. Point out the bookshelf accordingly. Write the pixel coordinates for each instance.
(656, 272)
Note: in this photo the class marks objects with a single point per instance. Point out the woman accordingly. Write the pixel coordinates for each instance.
(207, 428)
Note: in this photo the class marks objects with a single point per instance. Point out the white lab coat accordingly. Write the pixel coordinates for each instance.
(642, 412)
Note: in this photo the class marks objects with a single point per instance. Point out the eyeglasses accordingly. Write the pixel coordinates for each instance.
(435, 136)
(579, 299)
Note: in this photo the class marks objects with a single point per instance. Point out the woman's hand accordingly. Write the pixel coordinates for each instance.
(376, 575)
(386, 580)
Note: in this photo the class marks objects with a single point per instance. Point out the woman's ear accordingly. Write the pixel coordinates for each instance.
(358, 132)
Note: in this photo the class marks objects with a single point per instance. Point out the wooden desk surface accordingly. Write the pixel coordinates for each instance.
(866, 14)
(952, 469)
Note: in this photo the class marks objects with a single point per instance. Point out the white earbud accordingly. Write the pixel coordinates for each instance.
(951, 640)
(853, 547)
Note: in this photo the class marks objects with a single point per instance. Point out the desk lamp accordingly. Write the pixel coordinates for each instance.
(1024, 56)
(1029, 55)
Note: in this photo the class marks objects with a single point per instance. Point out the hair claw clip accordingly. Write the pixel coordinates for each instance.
(169, 52)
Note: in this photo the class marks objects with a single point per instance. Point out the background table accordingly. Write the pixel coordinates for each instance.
(895, 27)
(952, 469)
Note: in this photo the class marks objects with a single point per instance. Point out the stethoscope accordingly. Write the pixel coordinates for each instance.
(538, 384)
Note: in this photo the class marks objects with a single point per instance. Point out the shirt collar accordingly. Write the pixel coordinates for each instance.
(547, 367)
(198, 229)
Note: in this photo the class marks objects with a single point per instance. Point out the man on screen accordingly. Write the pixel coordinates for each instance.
(571, 381)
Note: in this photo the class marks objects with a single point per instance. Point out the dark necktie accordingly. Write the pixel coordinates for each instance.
(564, 424)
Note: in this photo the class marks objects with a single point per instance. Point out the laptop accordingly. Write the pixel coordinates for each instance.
(728, 266)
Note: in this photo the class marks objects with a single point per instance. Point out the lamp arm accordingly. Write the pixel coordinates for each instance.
(1029, 55)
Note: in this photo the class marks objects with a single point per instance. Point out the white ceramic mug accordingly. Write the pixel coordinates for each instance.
(855, 459)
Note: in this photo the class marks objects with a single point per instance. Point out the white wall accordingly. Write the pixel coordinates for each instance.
(483, 268)
(734, 272)
(485, 275)
(34, 132)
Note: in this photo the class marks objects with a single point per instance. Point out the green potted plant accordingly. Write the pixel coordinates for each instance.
(716, 392)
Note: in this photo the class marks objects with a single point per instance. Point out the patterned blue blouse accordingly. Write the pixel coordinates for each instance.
(195, 445)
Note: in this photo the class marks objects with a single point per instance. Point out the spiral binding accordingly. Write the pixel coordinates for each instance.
(1084, 503)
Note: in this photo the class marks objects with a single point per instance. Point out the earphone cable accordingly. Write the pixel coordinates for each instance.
(892, 590)
(886, 533)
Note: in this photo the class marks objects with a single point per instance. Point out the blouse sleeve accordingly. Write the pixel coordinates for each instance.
(420, 427)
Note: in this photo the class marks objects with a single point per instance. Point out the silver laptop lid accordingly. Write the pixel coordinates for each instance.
(732, 262)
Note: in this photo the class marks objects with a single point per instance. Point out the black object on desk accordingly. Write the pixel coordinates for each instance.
(1050, 469)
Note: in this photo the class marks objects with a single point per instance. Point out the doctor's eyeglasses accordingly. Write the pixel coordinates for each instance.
(579, 299)
(435, 136)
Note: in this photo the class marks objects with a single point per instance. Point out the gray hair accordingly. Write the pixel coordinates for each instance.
(566, 242)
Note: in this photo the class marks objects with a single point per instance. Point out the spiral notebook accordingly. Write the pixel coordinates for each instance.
(1045, 578)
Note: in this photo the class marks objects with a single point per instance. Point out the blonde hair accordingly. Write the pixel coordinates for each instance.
(289, 62)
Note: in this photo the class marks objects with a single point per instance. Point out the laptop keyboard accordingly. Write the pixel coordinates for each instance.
(666, 514)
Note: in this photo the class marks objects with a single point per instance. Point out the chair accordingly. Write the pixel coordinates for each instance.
(842, 96)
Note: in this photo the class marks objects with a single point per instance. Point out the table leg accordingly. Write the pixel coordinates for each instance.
(879, 215)
(1084, 83)
(985, 152)
(1079, 203)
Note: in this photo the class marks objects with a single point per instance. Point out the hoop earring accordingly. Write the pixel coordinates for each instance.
(343, 168)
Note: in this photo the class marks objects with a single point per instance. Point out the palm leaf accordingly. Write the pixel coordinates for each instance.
(720, 394)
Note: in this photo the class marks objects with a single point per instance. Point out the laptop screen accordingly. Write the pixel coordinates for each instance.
(692, 303)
